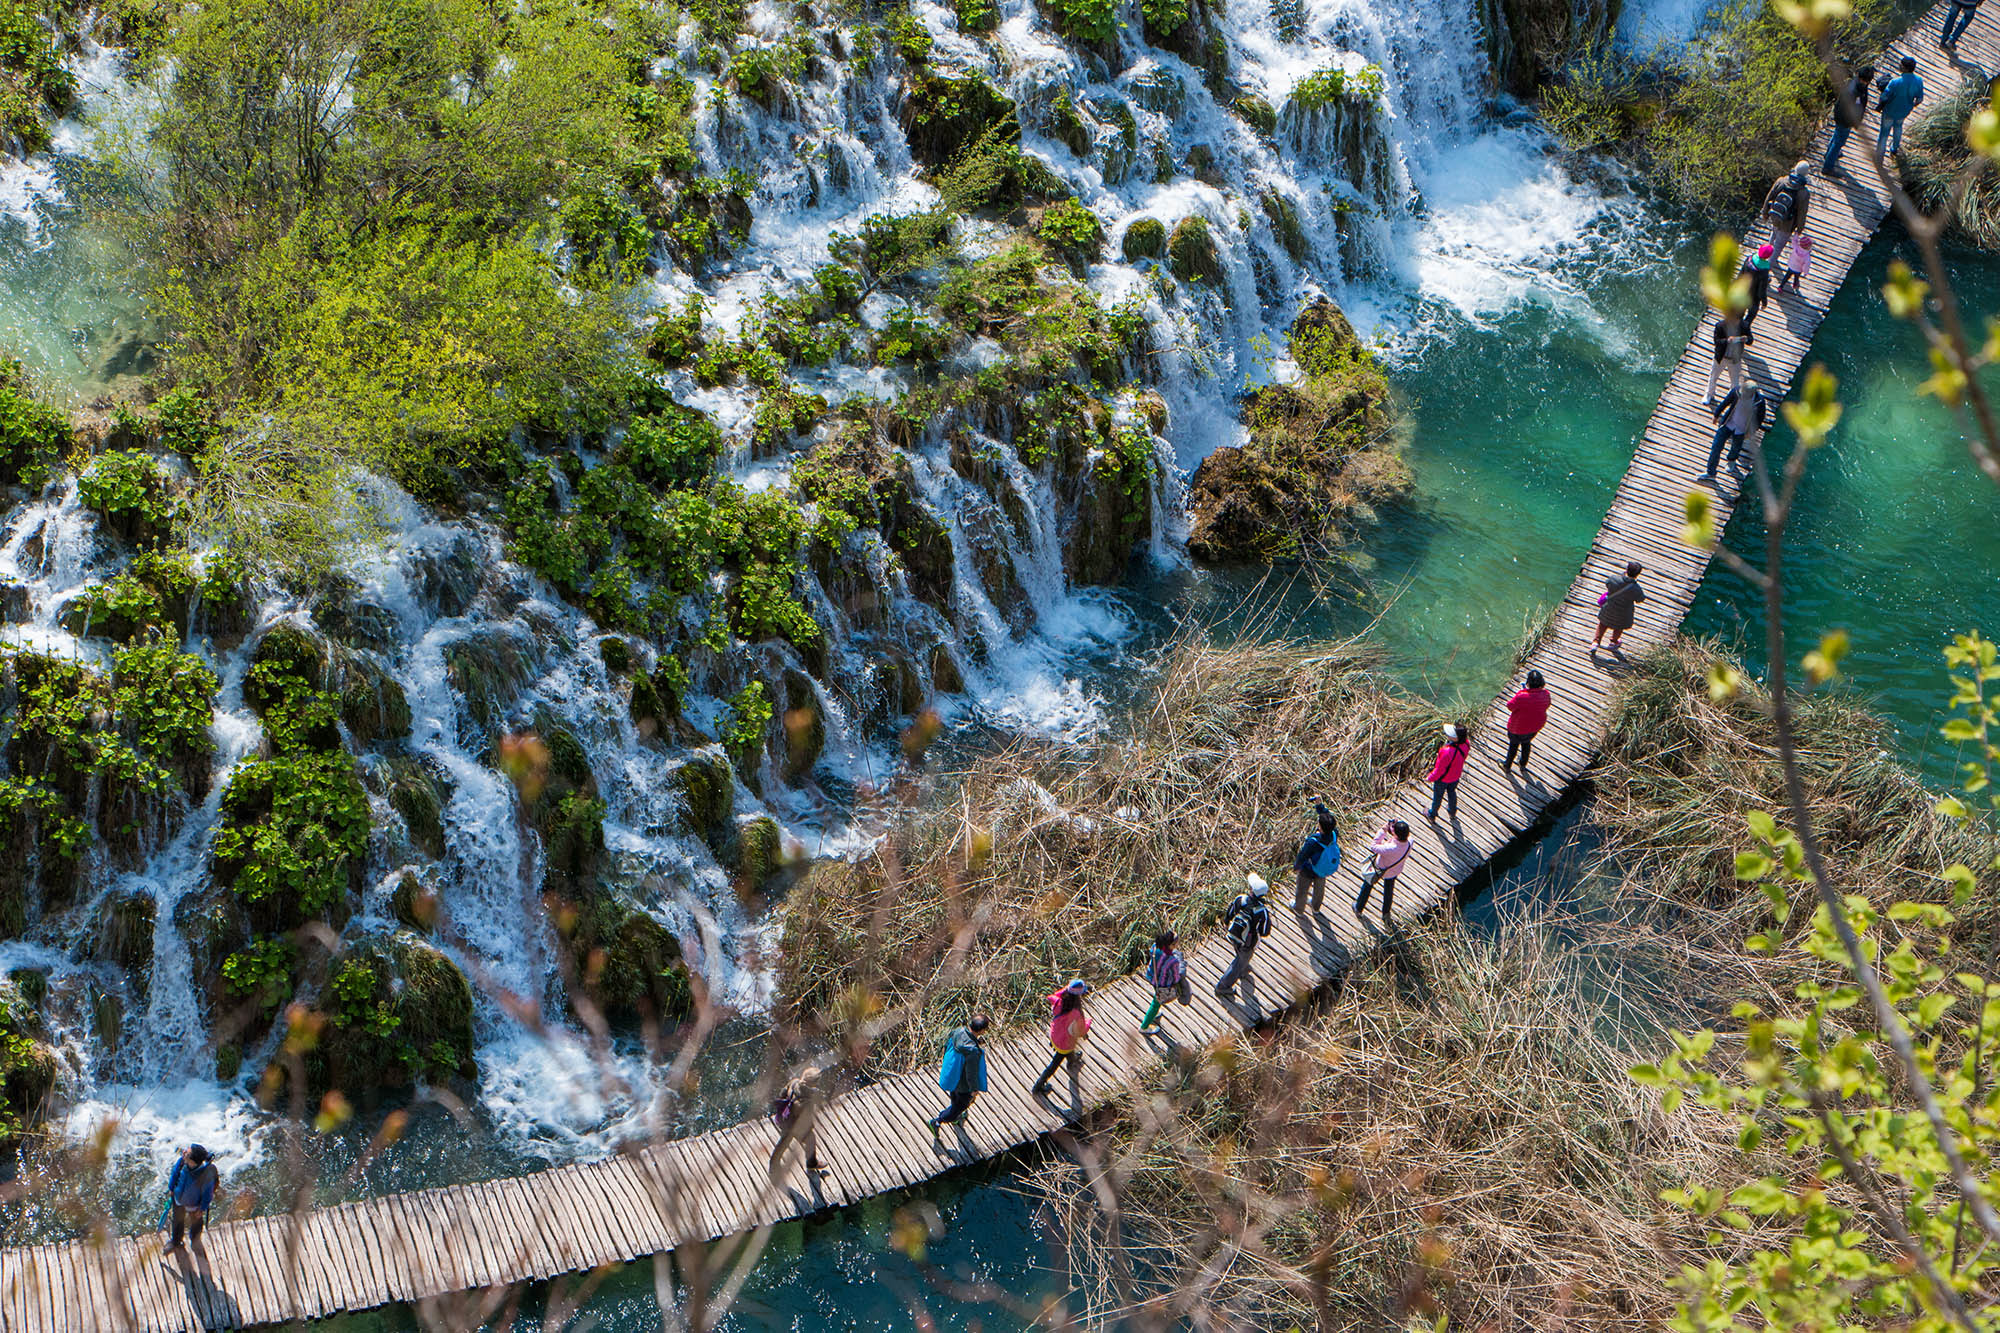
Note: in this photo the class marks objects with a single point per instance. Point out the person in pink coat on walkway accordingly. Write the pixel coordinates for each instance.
(1527, 714)
(1449, 768)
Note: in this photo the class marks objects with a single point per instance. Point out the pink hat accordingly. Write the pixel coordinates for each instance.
(1764, 251)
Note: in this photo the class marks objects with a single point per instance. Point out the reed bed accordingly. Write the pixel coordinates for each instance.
(1044, 861)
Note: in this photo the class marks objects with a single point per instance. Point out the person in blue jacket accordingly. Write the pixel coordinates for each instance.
(1318, 858)
(190, 1190)
(963, 1073)
(1900, 96)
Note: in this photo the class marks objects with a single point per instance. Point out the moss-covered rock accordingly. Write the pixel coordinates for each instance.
(1319, 457)
(396, 1010)
(626, 962)
(419, 795)
(1145, 238)
(414, 903)
(489, 668)
(754, 851)
(124, 934)
(1191, 252)
(708, 790)
(373, 704)
(944, 115)
(28, 1066)
(804, 726)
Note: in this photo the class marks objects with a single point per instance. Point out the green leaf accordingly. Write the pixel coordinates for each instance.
(1762, 824)
(1764, 1196)
(1752, 865)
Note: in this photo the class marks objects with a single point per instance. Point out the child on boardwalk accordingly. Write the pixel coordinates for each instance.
(1391, 848)
(1797, 260)
(963, 1073)
(1068, 1026)
(794, 1121)
(1318, 858)
(1615, 606)
(1449, 768)
(1167, 970)
(1527, 714)
(1247, 921)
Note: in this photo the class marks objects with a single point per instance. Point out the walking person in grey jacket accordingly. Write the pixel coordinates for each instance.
(1746, 409)
(1900, 96)
(1616, 606)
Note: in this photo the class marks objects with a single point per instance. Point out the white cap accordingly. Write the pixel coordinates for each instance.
(1257, 884)
(1450, 732)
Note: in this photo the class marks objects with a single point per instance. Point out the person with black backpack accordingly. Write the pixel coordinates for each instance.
(1846, 118)
(1247, 921)
(1317, 860)
(1785, 204)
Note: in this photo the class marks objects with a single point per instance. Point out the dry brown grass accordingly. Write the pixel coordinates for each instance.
(1046, 861)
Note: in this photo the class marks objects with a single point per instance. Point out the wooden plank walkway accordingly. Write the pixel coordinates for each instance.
(428, 1243)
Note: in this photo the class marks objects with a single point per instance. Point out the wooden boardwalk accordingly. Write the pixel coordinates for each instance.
(409, 1247)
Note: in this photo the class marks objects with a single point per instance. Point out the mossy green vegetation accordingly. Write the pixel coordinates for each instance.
(393, 1011)
(1145, 238)
(1320, 456)
(1072, 231)
(1191, 252)
(35, 82)
(33, 434)
(1712, 123)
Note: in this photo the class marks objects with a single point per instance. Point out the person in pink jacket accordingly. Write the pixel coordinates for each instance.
(1527, 714)
(1391, 848)
(1449, 768)
(1068, 1026)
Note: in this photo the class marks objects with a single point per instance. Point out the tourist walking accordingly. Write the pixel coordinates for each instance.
(1068, 1026)
(1785, 204)
(1615, 605)
(1732, 338)
(1167, 970)
(794, 1121)
(1956, 22)
(1391, 848)
(1318, 858)
(1527, 714)
(1797, 260)
(1746, 409)
(1246, 921)
(190, 1191)
(1448, 768)
(1900, 96)
(1758, 269)
(963, 1072)
(1844, 120)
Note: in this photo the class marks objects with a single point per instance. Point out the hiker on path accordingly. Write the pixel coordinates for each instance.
(1527, 714)
(963, 1072)
(1956, 22)
(1797, 260)
(1758, 268)
(1449, 768)
(1391, 848)
(1732, 339)
(794, 1121)
(1167, 970)
(191, 1189)
(1068, 1026)
(1615, 606)
(1900, 96)
(1785, 204)
(1745, 410)
(1318, 858)
(1247, 921)
(1845, 121)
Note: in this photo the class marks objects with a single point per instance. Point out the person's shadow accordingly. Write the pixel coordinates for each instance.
(217, 1308)
(1075, 1108)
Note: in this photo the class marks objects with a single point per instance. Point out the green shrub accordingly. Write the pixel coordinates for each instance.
(908, 35)
(749, 716)
(1085, 20)
(129, 494)
(676, 336)
(945, 114)
(673, 448)
(907, 336)
(1071, 230)
(992, 173)
(976, 15)
(1145, 238)
(294, 830)
(1163, 17)
(891, 246)
(33, 435)
(34, 78)
(1337, 83)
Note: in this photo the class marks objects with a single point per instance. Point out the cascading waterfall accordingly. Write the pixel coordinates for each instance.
(1396, 204)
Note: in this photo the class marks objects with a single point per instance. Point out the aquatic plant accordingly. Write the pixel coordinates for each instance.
(33, 435)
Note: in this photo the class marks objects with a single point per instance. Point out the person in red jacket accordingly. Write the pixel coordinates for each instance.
(1450, 766)
(1527, 713)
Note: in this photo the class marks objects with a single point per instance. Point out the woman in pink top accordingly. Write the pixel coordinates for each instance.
(1450, 766)
(1391, 848)
(1527, 713)
(1067, 1028)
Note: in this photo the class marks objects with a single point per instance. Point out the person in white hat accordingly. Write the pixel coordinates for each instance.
(1068, 1026)
(1247, 921)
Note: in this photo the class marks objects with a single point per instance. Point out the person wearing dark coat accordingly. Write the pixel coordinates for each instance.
(191, 1189)
(1317, 859)
(1845, 121)
(1744, 411)
(1616, 605)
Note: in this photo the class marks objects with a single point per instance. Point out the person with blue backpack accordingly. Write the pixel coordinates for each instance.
(1167, 970)
(963, 1073)
(1317, 860)
(190, 1192)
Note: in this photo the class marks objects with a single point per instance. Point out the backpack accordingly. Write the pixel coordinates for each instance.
(1241, 927)
(1784, 203)
(1327, 859)
(1167, 970)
